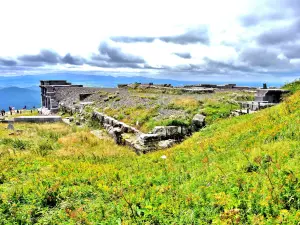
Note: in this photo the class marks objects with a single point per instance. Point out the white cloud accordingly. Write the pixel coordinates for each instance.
(226, 29)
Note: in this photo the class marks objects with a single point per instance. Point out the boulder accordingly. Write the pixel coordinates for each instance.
(198, 122)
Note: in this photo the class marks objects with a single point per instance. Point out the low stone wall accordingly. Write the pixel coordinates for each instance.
(161, 137)
(38, 119)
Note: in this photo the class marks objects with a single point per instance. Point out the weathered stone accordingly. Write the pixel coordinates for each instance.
(116, 134)
(160, 130)
(166, 143)
(198, 121)
(148, 139)
(170, 132)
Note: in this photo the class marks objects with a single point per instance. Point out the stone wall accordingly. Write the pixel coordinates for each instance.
(161, 136)
(71, 95)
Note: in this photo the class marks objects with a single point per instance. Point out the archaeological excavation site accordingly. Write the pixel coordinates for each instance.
(149, 117)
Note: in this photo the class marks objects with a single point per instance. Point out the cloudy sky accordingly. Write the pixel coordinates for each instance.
(232, 40)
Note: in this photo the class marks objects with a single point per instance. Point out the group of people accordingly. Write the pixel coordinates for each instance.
(12, 109)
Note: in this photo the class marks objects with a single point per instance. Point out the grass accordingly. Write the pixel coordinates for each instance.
(146, 117)
(241, 170)
(293, 87)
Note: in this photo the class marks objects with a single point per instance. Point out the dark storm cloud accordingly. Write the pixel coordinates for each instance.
(184, 55)
(192, 36)
(261, 57)
(116, 55)
(291, 51)
(280, 35)
(72, 60)
(113, 57)
(219, 66)
(7, 62)
(44, 57)
(48, 57)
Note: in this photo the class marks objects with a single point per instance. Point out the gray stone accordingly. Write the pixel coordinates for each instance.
(10, 125)
(166, 143)
(198, 121)
(116, 134)
(160, 130)
(38, 119)
(148, 139)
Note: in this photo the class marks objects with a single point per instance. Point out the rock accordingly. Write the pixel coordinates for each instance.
(160, 130)
(166, 143)
(172, 131)
(169, 132)
(198, 121)
(116, 134)
(148, 139)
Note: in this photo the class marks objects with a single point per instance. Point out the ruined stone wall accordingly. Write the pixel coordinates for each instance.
(69, 95)
(161, 136)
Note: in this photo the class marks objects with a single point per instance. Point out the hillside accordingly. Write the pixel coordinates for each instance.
(19, 97)
(241, 170)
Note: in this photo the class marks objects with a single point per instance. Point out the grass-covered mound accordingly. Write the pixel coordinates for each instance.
(242, 170)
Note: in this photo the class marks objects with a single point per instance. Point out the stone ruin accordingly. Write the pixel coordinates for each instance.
(62, 95)
(270, 95)
(264, 98)
(53, 92)
(161, 137)
(220, 87)
(168, 87)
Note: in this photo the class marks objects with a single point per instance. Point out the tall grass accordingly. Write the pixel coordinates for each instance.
(241, 170)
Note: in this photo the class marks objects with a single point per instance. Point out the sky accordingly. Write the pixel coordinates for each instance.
(232, 40)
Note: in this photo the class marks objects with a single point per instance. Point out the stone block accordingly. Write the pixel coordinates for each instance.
(198, 122)
(172, 131)
(149, 139)
(160, 130)
(166, 143)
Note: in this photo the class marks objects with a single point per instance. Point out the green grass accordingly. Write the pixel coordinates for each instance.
(293, 87)
(215, 107)
(241, 170)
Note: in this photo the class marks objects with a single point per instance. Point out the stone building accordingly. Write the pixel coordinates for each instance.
(48, 93)
(269, 95)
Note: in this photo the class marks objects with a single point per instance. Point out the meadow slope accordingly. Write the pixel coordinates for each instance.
(241, 170)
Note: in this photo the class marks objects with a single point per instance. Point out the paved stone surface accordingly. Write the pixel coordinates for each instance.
(38, 119)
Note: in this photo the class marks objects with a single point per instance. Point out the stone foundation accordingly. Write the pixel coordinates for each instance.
(161, 137)
(38, 119)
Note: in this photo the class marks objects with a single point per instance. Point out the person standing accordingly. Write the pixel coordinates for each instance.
(2, 112)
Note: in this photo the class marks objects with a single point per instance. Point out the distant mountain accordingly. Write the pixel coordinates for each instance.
(18, 98)
(103, 80)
